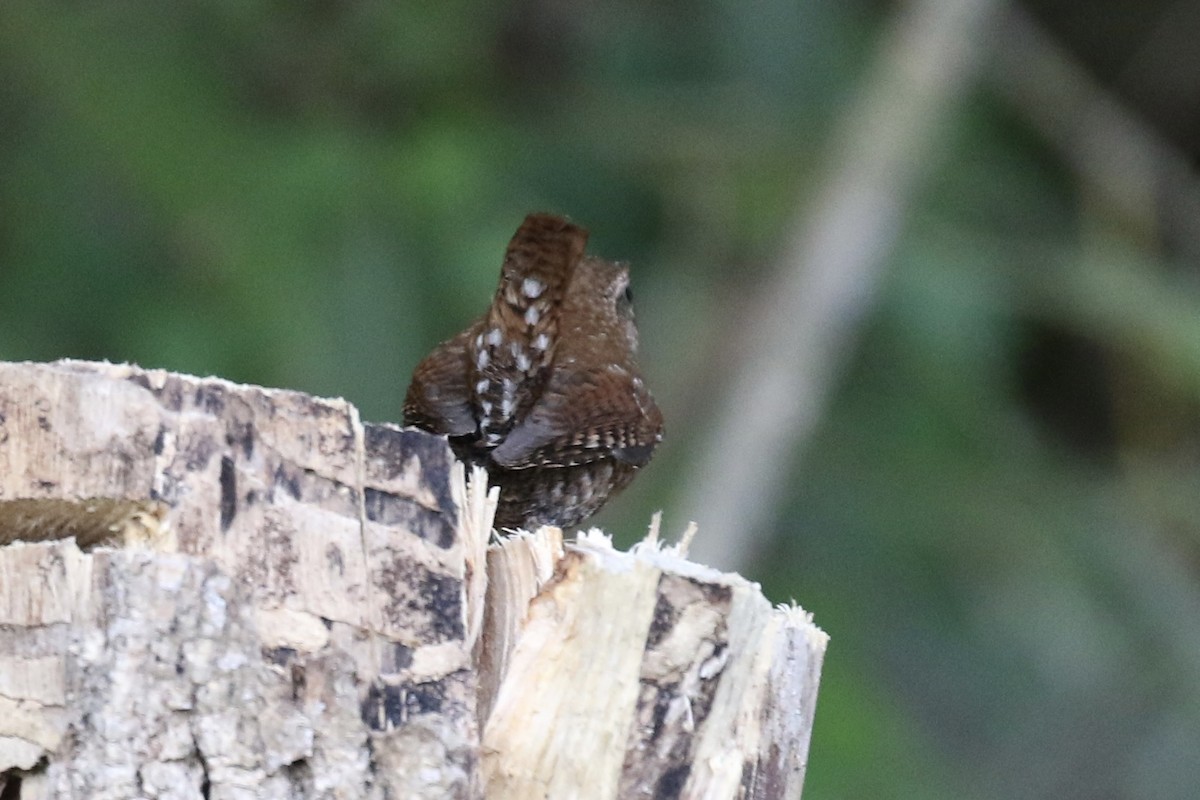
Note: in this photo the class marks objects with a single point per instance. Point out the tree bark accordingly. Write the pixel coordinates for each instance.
(221, 591)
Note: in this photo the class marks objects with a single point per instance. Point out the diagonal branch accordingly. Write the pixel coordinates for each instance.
(831, 263)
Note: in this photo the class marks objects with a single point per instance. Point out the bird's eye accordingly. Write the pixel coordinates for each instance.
(627, 296)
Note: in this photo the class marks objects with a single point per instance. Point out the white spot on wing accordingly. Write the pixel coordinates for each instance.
(481, 359)
(541, 342)
(481, 386)
(494, 337)
(523, 362)
(532, 315)
(532, 288)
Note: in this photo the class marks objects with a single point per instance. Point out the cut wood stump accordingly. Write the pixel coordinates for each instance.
(218, 591)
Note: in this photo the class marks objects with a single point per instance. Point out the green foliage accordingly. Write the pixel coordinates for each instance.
(312, 194)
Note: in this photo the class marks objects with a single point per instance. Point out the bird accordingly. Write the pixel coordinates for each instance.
(543, 389)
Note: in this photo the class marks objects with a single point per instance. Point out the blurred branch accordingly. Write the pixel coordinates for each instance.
(1145, 180)
(1116, 153)
(793, 347)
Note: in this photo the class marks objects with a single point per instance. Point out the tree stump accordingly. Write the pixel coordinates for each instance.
(219, 591)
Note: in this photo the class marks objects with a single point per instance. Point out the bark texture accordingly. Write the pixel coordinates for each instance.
(220, 591)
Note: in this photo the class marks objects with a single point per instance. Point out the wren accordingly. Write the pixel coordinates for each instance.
(543, 390)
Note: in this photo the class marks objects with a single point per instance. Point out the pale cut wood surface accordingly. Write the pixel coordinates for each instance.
(275, 600)
(642, 674)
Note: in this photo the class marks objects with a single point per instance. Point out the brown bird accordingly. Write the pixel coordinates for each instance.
(543, 390)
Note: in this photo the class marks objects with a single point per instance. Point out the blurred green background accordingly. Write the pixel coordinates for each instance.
(996, 512)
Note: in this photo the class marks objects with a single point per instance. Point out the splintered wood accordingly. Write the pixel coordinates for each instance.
(275, 600)
(639, 674)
